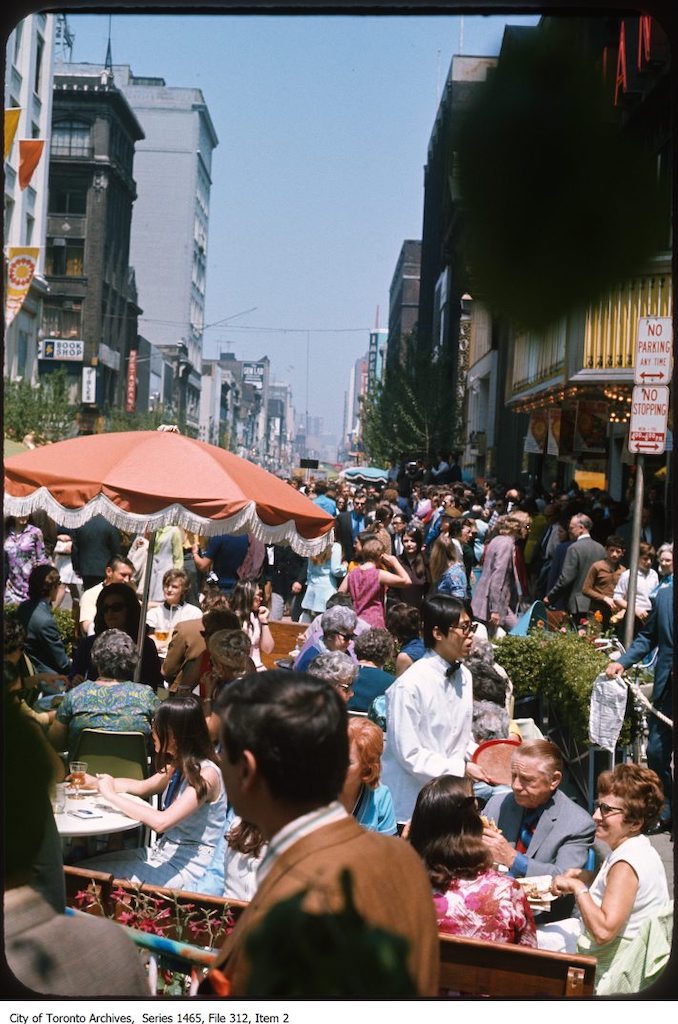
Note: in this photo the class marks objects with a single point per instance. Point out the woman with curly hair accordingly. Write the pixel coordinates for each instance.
(470, 897)
(631, 884)
(373, 649)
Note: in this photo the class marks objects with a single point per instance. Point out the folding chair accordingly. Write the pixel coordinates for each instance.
(120, 754)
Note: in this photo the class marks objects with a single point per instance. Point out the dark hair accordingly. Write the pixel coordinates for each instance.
(439, 610)
(403, 622)
(118, 559)
(242, 600)
(339, 599)
(296, 727)
(42, 580)
(639, 788)
(615, 541)
(180, 718)
(122, 592)
(245, 838)
(645, 549)
(14, 635)
(218, 618)
(447, 831)
(374, 645)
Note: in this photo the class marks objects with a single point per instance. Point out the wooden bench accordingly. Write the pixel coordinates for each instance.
(285, 636)
(467, 966)
(474, 967)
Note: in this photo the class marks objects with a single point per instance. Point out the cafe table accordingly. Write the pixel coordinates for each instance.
(104, 819)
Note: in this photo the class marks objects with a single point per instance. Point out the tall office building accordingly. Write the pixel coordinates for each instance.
(168, 246)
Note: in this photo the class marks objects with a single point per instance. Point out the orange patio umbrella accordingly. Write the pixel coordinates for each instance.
(143, 480)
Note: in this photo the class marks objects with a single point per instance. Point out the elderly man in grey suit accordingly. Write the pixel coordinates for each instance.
(579, 558)
(541, 831)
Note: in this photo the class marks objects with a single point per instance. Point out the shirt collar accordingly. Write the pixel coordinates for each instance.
(297, 829)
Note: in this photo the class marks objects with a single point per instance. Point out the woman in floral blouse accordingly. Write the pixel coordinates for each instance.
(24, 549)
(110, 702)
(471, 898)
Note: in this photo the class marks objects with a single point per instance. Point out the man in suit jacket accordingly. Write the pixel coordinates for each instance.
(541, 831)
(94, 544)
(579, 558)
(181, 667)
(284, 759)
(657, 632)
(350, 524)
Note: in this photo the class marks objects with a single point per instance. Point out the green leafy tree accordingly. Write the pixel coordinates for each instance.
(44, 410)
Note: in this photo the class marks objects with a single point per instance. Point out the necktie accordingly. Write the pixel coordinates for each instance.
(526, 832)
(452, 669)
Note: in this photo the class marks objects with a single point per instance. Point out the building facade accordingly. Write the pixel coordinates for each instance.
(92, 302)
(403, 310)
(28, 88)
(173, 171)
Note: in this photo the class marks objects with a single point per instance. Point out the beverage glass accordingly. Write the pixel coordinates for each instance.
(78, 770)
(161, 635)
(59, 798)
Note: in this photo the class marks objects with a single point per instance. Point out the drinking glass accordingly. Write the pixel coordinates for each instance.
(78, 770)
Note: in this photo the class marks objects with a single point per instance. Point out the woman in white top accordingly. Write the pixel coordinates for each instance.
(647, 583)
(164, 618)
(247, 603)
(631, 884)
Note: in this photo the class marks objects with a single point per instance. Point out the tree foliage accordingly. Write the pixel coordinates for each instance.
(43, 410)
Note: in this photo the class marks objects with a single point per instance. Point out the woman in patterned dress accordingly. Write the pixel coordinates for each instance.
(24, 549)
(111, 701)
(471, 898)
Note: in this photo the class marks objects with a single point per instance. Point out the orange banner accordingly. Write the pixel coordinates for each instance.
(21, 264)
(30, 151)
(11, 125)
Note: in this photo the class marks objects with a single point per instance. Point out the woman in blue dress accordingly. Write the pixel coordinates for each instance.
(192, 812)
(363, 795)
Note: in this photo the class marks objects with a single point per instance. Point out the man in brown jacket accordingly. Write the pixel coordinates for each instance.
(181, 668)
(284, 760)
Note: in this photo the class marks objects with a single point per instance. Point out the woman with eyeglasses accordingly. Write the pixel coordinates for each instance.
(111, 700)
(117, 608)
(630, 886)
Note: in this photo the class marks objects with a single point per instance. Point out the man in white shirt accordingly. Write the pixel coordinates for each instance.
(647, 582)
(429, 709)
(284, 760)
(118, 570)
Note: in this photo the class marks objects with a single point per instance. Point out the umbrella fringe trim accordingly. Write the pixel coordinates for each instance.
(244, 521)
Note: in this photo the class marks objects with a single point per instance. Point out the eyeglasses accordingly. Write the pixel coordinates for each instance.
(117, 607)
(346, 687)
(347, 636)
(606, 809)
(467, 627)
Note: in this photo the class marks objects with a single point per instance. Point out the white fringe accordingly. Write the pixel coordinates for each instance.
(244, 521)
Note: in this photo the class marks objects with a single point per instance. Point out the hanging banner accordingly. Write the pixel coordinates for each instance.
(590, 434)
(535, 439)
(131, 401)
(553, 443)
(30, 151)
(11, 124)
(21, 263)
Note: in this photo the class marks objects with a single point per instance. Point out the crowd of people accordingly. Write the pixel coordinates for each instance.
(364, 755)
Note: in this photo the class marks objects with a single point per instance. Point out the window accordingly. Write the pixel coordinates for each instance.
(30, 224)
(17, 41)
(65, 257)
(71, 138)
(21, 353)
(39, 50)
(67, 200)
(60, 322)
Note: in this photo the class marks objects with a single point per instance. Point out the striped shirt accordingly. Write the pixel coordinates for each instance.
(295, 830)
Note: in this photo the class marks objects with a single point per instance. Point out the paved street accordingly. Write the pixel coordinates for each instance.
(665, 848)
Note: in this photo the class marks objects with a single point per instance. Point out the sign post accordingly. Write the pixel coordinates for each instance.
(647, 428)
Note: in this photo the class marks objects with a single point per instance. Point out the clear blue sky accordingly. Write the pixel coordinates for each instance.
(323, 126)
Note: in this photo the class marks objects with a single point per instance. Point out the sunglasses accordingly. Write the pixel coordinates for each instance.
(467, 628)
(117, 607)
(347, 636)
(606, 809)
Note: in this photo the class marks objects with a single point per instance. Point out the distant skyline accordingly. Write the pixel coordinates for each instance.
(323, 125)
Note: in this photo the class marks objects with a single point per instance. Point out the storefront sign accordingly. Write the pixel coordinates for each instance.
(69, 351)
(131, 395)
